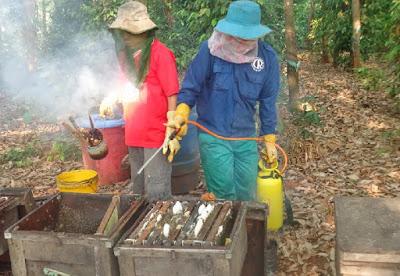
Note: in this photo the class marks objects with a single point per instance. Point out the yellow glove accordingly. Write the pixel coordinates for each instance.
(172, 145)
(106, 110)
(271, 154)
(180, 119)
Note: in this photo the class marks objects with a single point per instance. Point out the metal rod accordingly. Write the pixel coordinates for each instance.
(148, 161)
(171, 137)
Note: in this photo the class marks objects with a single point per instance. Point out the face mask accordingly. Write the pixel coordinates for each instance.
(134, 41)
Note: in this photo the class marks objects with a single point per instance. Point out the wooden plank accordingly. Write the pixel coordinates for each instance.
(371, 269)
(126, 265)
(35, 268)
(58, 253)
(175, 233)
(143, 236)
(381, 216)
(255, 223)
(17, 257)
(209, 222)
(145, 220)
(189, 222)
(131, 215)
(226, 208)
(106, 262)
(110, 217)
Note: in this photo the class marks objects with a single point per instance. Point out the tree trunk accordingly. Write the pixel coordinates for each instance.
(355, 8)
(29, 33)
(325, 54)
(291, 55)
(310, 18)
(44, 18)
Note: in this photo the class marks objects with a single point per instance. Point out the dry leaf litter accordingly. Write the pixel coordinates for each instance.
(352, 153)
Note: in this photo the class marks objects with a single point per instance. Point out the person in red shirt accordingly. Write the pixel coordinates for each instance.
(151, 86)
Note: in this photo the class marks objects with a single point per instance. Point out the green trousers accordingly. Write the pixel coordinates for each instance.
(230, 167)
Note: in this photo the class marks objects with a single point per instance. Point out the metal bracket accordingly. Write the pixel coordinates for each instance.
(294, 64)
(53, 272)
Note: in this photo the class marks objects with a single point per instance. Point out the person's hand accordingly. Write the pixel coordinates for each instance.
(179, 121)
(270, 154)
(106, 109)
(171, 146)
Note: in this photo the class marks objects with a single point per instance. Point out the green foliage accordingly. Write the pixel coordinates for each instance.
(371, 79)
(308, 118)
(393, 44)
(333, 22)
(99, 14)
(66, 22)
(391, 134)
(64, 151)
(21, 157)
(183, 25)
(302, 13)
(375, 19)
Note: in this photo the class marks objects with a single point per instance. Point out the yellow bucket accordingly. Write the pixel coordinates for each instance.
(78, 181)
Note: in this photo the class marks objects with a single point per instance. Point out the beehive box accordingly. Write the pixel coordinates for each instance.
(63, 235)
(256, 216)
(14, 204)
(218, 247)
(367, 236)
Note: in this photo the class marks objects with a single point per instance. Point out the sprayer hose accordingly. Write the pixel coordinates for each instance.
(259, 139)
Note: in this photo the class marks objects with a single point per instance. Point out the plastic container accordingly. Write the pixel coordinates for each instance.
(109, 168)
(185, 168)
(78, 181)
(270, 192)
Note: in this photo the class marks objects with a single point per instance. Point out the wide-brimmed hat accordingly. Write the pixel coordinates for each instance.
(133, 18)
(243, 20)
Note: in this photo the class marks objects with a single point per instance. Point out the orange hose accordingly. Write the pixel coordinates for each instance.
(259, 139)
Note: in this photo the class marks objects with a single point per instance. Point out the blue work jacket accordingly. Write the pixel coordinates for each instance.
(225, 93)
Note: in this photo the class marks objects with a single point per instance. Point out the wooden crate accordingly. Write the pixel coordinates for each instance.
(367, 236)
(19, 203)
(135, 260)
(61, 236)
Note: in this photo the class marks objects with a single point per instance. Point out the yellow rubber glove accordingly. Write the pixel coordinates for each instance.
(106, 109)
(271, 154)
(181, 117)
(172, 145)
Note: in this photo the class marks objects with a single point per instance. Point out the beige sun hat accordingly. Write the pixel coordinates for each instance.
(133, 18)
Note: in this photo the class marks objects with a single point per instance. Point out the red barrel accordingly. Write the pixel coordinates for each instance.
(109, 168)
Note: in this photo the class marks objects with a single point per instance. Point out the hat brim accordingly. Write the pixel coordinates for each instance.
(243, 32)
(133, 27)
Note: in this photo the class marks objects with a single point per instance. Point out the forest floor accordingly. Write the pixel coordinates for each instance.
(354, 150)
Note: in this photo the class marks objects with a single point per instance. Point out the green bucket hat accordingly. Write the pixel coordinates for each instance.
(243, 20)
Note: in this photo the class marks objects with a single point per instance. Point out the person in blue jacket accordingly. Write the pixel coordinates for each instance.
(232, 72)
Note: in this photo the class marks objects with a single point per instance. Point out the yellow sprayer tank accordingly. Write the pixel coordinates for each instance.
(270, 191)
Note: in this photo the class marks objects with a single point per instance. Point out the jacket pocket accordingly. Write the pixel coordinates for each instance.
(252, 85)
(222, 76)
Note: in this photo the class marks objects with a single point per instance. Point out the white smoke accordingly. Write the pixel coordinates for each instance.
(68, 82)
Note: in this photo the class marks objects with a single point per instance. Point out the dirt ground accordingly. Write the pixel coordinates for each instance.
(354, 152)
